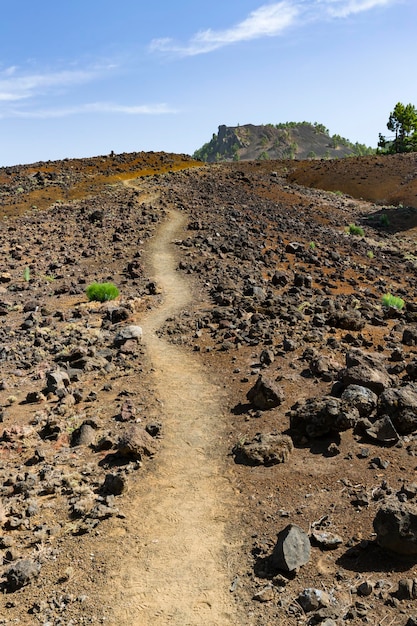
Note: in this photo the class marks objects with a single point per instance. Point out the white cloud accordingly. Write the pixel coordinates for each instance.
(93, 107)
(15, 86)
(270, 20)
(267, 21)
(344, 8)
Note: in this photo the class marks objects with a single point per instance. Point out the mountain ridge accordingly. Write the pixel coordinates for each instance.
(289, 140)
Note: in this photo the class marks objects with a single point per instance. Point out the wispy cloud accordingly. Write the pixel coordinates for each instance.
(344, 8)
(269, 20)
(92, 107)
(15, 85)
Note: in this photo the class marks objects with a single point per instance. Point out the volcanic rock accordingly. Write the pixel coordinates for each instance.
(265, 449)
(395, 525)
(292, 549)
(265, 394)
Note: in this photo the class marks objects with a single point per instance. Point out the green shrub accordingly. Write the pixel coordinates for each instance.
(312, 245)
(395, 302)
(102, 292)
(384, 220)
(356, 230)
(370, 254)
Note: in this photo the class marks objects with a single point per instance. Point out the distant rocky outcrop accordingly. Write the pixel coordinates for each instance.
(291, 140)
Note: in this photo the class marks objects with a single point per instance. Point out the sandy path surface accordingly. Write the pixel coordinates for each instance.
(175, 569)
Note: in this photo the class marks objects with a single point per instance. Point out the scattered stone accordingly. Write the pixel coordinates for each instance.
(383, 431)
(114, 484)
(127, 333)
(395, 525)
(400, 404)
(365, 370)
(57, 379)
(264, 449)
(267, 594)
(265, 394)
(292, 549)
(407, 589)
(313, 599)
(365, 589)
(21, 574)
(135, 442)
(325, 540)
(361, 398)
(316, 417)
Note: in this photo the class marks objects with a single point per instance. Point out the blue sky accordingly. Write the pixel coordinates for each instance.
(85, 77)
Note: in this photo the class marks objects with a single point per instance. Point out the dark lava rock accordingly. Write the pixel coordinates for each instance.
(316, 417)
(383, 431)
(366, 371)
(21, 574)
(292, 549)
(350, 320)
(136, 442)
(114, 484)
(400, 404)
(395, 525)
(264, 449)
(409, 337)
(360, 397)
(265, 394)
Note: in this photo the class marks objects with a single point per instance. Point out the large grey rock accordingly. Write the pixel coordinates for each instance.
(347, 320)
(395, 525)
(365, 370)
(400, 404)
(134, 441)
(57, 379)
(265, 449)
(128, 332)
(265, 394)
(21, 574)
(292, 549)
(360, 397)
(316, 417)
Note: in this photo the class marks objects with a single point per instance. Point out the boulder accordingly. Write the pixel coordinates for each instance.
(57, 379)
(347, 320)
(400, 404)
(395, 525)
(21, 574)
(128, 332)
(265, 394)
(135, 442)
(292, 549)
(365, 370)
(265, 449)
(316, 417)
(360, 397)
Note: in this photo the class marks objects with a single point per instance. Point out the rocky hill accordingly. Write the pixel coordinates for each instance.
(291, 140)
(232, 440)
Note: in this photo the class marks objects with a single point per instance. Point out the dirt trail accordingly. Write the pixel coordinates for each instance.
(175, 568)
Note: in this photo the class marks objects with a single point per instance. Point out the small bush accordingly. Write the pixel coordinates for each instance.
(312, 245)
(370, 254)
(384, 220)
(101, 292)
(394, 302)
(356, 230)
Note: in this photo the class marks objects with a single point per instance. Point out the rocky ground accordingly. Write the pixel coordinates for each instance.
(316, 376)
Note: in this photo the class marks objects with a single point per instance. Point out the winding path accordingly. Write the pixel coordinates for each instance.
(177, 570)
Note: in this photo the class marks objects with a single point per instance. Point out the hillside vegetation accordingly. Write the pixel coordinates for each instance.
(291, 140)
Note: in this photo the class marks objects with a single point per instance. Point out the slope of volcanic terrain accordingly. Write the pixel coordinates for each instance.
(145, 479)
